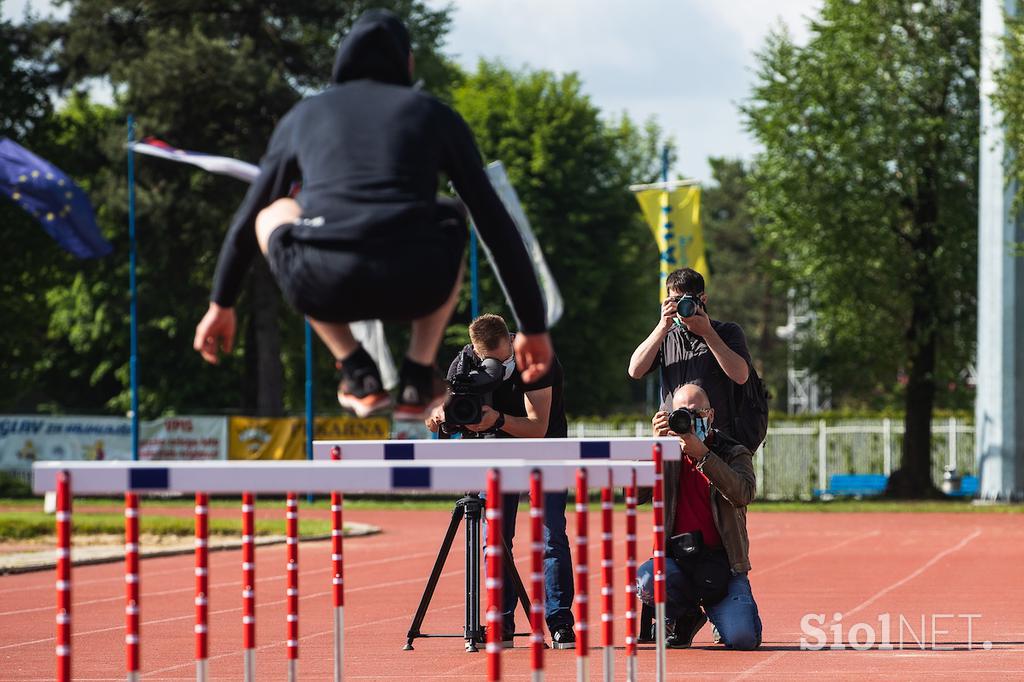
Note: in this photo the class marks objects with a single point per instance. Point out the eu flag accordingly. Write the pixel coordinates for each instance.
(44, 191)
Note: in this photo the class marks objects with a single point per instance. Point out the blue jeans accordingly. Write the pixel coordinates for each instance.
(735, 617)
(558, 578)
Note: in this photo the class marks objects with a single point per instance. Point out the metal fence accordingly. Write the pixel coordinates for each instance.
(799, 457)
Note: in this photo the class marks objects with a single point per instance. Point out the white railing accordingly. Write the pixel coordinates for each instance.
(798, 457)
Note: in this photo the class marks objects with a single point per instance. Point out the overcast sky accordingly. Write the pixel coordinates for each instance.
(686, 62)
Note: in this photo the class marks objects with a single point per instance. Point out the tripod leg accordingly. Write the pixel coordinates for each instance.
(473, 633)
(435, 575)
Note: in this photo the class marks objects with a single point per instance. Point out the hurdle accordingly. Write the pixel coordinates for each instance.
(451, 475)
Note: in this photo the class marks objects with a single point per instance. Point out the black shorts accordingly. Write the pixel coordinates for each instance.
(366, 280)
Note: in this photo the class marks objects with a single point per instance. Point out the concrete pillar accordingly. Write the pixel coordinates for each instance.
(999, 410)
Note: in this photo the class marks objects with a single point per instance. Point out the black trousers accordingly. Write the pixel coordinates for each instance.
(380, 279)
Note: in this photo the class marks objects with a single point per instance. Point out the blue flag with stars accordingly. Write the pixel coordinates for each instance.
(48, 195)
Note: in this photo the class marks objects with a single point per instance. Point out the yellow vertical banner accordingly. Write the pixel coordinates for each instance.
(285, 437)
(674, 219)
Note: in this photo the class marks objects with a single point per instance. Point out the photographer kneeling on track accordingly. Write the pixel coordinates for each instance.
(706, 498)
(488, 398)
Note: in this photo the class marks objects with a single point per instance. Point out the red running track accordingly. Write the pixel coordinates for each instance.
(857, 565)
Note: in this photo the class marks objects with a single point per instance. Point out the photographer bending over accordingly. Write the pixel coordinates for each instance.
(521, 409)
(366, 237)
(706, 498)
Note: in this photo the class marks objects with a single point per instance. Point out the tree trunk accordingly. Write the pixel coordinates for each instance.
(913, 479)
(263, 382)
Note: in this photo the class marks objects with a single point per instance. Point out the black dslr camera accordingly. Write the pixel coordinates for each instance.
(681, 421)
(469, 389)
(688, 305)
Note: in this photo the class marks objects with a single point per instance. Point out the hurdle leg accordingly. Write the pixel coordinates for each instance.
(338, 582)
(582, 643)
(659, 566)
(536, 576)
(631, 625)
(292, 590)
(131, 581)
(63, 649)
(494, 573)
(248, 589)
(202, 585)
(607, 584)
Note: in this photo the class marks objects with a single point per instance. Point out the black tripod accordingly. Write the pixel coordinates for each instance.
(469, 507)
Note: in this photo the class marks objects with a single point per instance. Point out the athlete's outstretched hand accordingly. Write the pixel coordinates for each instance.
(215, 330)
(533, 355)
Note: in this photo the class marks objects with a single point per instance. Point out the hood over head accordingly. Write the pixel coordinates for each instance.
(377, 48)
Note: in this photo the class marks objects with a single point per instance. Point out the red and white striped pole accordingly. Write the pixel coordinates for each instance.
(131, 580)
(292, 592)
(202, 512)
(536, 577)
(494, 573)
(582, 643)
(659, 566)
(337, 528)
(607, 584)
(631, 634)
(63, 577)
(248, 589)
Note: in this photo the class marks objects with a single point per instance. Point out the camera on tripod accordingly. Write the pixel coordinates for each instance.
(469, 389)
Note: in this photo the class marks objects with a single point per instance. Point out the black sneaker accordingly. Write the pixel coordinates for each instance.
(508, 634)
(681, 633)
(360, 389)
(563, 638)
(420, 390)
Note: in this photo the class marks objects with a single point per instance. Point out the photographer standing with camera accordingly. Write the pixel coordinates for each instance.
(505, 406)
(706, 498)
(687, 346)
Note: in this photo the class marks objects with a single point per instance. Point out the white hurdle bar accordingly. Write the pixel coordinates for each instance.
(347, 476)
(533, 449)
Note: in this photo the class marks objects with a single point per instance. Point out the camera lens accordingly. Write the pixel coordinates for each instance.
(686, 307)
(462, 409)
(680, 421)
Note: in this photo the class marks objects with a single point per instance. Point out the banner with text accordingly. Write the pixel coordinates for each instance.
(285, 437)
(28, 438)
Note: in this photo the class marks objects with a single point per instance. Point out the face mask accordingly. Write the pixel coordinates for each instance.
(700, 428)
(510, 366)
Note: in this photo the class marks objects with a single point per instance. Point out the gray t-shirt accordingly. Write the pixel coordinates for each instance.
(685, 358)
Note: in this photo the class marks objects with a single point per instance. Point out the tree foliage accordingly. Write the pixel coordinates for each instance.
(213, 76)
(742, 289)
(1009, 99)
(867, 196)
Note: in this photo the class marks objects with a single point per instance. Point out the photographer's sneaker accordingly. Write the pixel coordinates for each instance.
(420, 390)
(563, 638)
(681, 633)
(362, 391)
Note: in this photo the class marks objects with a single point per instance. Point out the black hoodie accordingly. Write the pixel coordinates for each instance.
(368, 152)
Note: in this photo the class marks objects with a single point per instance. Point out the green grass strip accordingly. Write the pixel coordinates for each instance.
(26, 525)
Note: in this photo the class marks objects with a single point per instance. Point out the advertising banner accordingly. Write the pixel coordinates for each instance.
(28, 438)
(285, 437)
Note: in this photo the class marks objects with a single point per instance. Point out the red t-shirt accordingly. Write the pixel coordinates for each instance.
(693, 504)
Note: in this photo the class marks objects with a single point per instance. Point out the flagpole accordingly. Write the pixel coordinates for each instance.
(474, 281)
(309, 398)
(134, 360)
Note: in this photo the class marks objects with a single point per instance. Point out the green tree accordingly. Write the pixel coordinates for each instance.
(213, 76)
(741, 288)
(1009, 99)
(866, 192)
(571, 169)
